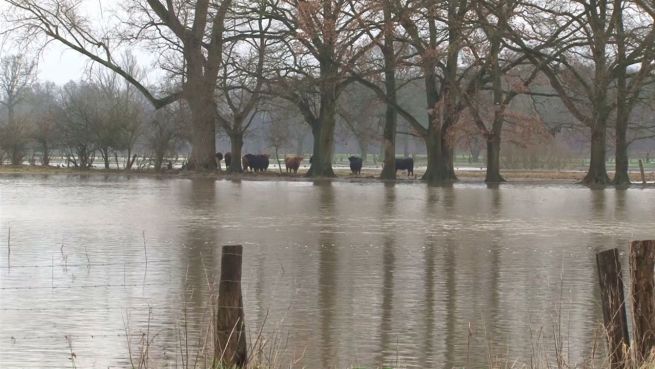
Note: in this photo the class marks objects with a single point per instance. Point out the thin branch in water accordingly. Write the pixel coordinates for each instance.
(9, 249)
(145, 249)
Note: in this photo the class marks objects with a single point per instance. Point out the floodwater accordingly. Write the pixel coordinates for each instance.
(336, 275)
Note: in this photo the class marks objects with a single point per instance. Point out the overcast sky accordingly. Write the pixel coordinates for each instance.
(60, 64)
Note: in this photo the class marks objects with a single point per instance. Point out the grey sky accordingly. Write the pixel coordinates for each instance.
(60, 64)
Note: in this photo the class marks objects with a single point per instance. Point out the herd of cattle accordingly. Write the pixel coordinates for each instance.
(260, 163)
(401, 164)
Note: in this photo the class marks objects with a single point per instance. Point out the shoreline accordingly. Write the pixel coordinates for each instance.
(368, 175)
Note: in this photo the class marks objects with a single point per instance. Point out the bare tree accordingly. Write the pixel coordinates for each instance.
(82, 103)
(278, 134)
(635, 44)
(438, 40)
(239, 88)
(436, 31)
(46, 113)
(17, 73)
(163, 131)
(588, 67)
(384, 23)
(324, 43)
(188, 37)
(124, 115)
(361, 112)
(501, 73)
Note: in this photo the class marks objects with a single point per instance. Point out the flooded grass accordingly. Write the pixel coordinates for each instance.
(342, 173)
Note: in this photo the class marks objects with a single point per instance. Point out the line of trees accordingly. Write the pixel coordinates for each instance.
(101, 116)
(478, 61)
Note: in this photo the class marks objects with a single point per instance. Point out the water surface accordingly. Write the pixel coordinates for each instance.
(336, 274)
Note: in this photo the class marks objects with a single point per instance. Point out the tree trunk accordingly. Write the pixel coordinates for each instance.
(436, 171)
(323, 166)
(128, 165)
(623, 108)
(448, 111)
(405, 146)
(389, 141)
(159, 159)
(315, 151)
(236, 145)
(203, 135)
(493, 159)
(323, 133)
(475, 149)
(84, 156)
(131, 162)
(277, 158)
(448, 156)
(45, 160)
(621, 177)
(11, 104)
(440, 158)
(597, 174)
(323, 130)
(104, 152)
(16, 153)
(391, 114)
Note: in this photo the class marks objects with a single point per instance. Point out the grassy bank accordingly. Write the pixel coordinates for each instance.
(370, 173)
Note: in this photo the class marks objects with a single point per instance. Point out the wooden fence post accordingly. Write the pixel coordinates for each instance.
(230, 344)
(642, 263)
(613, 301)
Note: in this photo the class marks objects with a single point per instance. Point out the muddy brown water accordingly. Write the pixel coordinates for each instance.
(335, 275)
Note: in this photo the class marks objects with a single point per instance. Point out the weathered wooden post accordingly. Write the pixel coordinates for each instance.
(230, 345)
(642, 275)
(613, 301)
(641, 169)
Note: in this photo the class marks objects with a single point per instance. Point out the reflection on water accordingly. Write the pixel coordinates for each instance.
(340, 274)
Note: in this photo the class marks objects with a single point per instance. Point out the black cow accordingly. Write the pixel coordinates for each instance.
(355, 164)
(245, 161)
(257, 163)
(228, 159)
(265, 161)
(405, 164)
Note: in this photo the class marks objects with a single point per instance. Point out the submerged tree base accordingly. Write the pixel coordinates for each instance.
(596, 178)
(326, 173)
(621, 180)
(494, 178)
(439, 178)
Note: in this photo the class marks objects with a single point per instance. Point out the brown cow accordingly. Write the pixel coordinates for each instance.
(292, 163)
